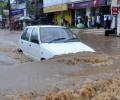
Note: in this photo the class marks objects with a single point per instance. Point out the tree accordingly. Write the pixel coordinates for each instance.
(33, 7)
(3, 5)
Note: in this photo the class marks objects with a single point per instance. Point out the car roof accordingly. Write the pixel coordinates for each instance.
(44, 26)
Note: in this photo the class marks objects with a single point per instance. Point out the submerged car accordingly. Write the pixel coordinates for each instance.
(46, 41)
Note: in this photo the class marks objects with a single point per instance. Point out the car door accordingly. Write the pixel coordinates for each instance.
(34, 46)
(25, 40)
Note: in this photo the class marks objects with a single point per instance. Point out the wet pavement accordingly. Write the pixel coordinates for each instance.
(19, 73)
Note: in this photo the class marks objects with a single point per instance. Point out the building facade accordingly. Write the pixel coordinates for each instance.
(73, 10)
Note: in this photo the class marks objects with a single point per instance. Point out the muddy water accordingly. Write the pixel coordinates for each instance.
(19, 73)
(101, 43)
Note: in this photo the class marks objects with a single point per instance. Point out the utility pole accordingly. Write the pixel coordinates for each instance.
(9, 8)
(36, 9)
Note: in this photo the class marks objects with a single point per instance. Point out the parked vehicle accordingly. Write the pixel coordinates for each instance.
(46, 41)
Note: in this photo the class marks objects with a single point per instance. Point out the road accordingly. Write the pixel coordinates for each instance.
(21, 74)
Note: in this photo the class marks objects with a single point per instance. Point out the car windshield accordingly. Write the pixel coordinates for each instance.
(56, 34)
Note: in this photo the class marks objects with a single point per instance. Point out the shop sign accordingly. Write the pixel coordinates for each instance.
(99, 3)
(94, 3)
(17, 11)
(114, 10)
(47, 3)
(80, 5)
(118, 1)
(55, 8)
(78, 0)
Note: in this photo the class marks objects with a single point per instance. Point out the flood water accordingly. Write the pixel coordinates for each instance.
(20, 73)
(101, 43)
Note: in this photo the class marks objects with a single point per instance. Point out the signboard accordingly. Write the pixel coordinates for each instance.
(80, 5)
(17, 11)
(114, 10)
(99, 3)
(18, 6)
(47, 3)
(55, 8)
(118, 1)
(78, 0)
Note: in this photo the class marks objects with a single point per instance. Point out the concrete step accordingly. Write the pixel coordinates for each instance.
(93, 31)
(100, 31)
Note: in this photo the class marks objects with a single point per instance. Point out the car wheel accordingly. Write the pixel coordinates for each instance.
(42, 59)
(19, 50)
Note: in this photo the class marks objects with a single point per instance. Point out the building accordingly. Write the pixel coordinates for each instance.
(70, 10)
(57, 10)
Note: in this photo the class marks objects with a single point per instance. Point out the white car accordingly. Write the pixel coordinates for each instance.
(46, 41)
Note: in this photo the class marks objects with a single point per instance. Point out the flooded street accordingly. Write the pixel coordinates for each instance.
(91, 75)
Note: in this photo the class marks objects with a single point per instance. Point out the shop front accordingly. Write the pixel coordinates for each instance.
(100, 8)
(82, 11)
(62, 16)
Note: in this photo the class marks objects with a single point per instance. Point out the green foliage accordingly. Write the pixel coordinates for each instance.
(3, 4)
(31, 6)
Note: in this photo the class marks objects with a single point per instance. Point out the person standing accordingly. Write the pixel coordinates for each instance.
(105, 19)
(109, 21)
(62, 20)
(93, 21)
(98, 21)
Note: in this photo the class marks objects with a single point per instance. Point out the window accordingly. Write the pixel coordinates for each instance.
(55, 33)
(26, 34)
(34, 36)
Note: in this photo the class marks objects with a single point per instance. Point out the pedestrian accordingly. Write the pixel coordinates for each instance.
(86, 21)
(78, 19)
(62, 20)
(66, 23)
(113, 23)
(109, 21)
(3, 23)
(93, 21)
(98, 21)
(105, 24)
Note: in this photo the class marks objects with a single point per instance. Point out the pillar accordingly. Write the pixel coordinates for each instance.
(118, 24)
(88, 13)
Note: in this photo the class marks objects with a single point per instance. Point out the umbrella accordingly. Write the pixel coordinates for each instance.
(25, 18)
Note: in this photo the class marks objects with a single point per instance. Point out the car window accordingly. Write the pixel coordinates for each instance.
(34, 36)
(52, 34)
(26, 34)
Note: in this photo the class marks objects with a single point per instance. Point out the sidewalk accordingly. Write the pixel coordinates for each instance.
(95, 31)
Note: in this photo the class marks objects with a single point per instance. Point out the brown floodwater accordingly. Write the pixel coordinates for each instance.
(81, 75)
